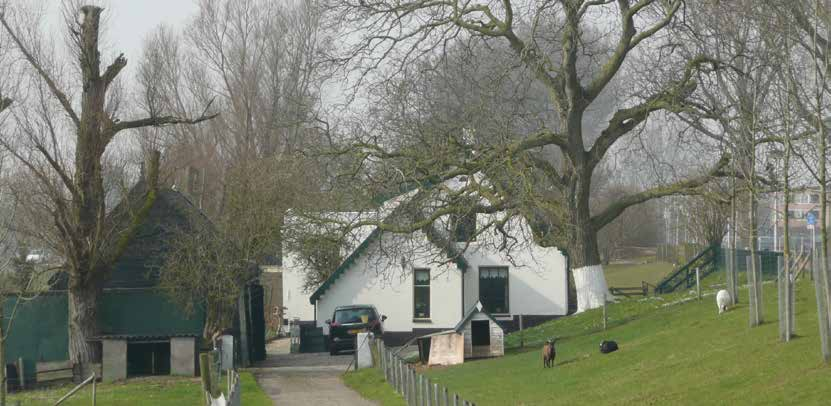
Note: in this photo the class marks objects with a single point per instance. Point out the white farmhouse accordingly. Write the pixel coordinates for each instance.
(425, 284)
(419, 295)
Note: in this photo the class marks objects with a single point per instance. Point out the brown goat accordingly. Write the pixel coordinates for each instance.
(548, 354)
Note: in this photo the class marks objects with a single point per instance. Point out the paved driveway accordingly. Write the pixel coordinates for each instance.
(305, 379)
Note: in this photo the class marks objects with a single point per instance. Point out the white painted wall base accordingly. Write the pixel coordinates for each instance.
(590, 283)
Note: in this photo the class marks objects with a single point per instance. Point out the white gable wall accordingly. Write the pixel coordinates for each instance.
(537, 280)
(295, 298)
(377, 278)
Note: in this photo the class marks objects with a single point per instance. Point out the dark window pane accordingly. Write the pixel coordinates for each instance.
(480, 331)
(422, 302)
(422, 277)
(493, 289)
(421, 293)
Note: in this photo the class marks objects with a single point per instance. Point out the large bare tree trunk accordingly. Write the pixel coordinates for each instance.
(587, 269)
(79, 201)
(83, 321)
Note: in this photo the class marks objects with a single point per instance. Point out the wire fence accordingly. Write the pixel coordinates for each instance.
(417, 389)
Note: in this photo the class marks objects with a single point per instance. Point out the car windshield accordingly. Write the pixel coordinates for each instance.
(360, 315)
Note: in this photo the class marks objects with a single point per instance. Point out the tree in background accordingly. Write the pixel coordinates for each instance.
(398, 33)
(60, 137)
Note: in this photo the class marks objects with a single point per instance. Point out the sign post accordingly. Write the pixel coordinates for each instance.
(812, 221)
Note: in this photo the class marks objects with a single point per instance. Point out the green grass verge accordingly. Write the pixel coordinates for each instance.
(680, 354)
(370, 384)
(162, 391)
(630, 275)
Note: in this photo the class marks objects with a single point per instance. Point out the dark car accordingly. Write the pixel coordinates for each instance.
(348, 321)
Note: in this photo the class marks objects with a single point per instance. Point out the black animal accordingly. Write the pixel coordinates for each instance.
(608, 346)
(548, 353)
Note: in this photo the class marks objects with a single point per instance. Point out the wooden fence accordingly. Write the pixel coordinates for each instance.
(628, 291)
(417, 389)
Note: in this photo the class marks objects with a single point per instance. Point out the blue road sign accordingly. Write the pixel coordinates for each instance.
(811, 219)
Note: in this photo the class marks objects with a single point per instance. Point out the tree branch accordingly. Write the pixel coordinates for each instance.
(161, 121)
(114, 69)
(53, 87)
(686, 187)
(671, 99)
(628, 40)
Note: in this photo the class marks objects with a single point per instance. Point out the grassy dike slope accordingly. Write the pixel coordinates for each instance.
(680, 354)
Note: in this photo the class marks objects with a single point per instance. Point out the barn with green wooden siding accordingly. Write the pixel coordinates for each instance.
(134, 315)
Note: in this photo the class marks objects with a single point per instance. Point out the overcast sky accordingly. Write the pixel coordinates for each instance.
(129, 22)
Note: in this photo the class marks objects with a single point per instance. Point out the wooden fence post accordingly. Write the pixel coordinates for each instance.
(455, 399)
(406, 375)
(698, 282)
(605, 318)
(436, 394)
(420, 382)
(446, 397)
(521, 333)
(392, 380)
(205, 374)
(780, 290)
(402, 378)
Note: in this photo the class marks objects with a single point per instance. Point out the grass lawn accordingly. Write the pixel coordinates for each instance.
(680, 354)
(160, 391)
(371, 385)
(630, 275)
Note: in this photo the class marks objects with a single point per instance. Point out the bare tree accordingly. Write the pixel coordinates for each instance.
(708, 217)
(89, 121)
(395, 33)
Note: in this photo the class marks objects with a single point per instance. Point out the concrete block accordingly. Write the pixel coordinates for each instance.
(226, 361)
(114, 363)
(364, 351)
(183, 356)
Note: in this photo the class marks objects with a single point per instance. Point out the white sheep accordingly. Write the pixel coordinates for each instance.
(723, 300)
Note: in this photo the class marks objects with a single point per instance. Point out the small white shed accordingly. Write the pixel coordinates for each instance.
(483, 337)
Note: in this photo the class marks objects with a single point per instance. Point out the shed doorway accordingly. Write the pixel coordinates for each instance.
(480, 331)
(148, 358)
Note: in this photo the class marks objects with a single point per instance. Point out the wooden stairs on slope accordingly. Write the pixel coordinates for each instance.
(684, 277)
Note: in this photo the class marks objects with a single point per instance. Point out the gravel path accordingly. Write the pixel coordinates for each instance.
(305, 379)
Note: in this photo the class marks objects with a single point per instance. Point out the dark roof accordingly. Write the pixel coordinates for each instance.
(145, 251)
(477, 308)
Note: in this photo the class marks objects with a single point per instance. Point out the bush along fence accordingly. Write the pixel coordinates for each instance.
(417, 389)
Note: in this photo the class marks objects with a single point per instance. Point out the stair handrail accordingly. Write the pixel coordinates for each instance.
(662, 285)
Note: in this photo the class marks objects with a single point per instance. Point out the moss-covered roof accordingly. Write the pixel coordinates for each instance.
(143, 252)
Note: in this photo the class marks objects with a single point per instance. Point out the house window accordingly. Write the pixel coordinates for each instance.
(814, 198)
(480, 332)
(493, 289)
(421, 293)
